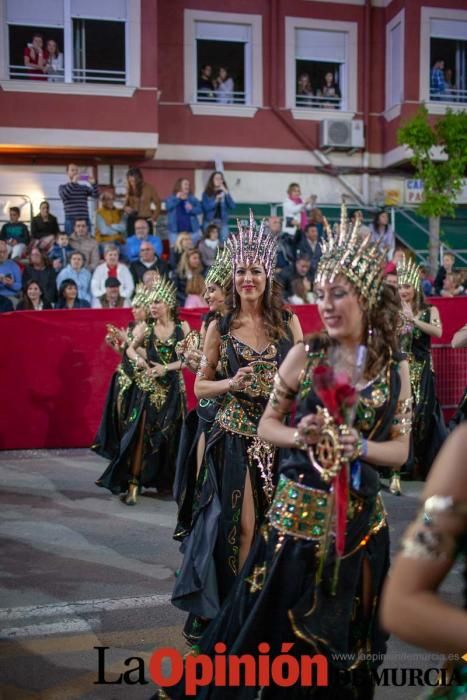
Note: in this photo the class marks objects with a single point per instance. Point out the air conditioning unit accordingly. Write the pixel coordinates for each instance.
(342, 133)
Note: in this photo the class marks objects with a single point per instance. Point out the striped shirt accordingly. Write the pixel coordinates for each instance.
(75, 199)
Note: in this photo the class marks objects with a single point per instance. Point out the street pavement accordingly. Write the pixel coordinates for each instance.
(80, 570)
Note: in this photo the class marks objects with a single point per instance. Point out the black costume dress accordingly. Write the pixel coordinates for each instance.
(428, 427)
(156, 407)
(277, 597)
(211, 550)
(107, 441)
(198, 422)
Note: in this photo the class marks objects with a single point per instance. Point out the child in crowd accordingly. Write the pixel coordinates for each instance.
(194, 293)
(60, 252)
(15, 233)
(209, 245)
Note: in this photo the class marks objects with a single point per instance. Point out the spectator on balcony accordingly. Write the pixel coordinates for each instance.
(10, 276)
(148, 260)
(183, 209)
(110, 222)
(194, 290)
(76, 271)
(33, 298)
(112, 268)
(15, 233)
(35, 58)
(75, 195)
(142, 200)
(53, 66)
(82, 241)
(330, 93)
(182, 244)
(142, 235)
(224, 87)
(209, 245)
(41, 271)
(308, 244)
(437, 81)
(60, 252)
(111, 298)
(300, 269)
(381, 230)
(190, 265)
(68, 297)
(446, 268)
(216, 203)
(295, 210)
(44, 227)
(304, 96)
(206, 84)
(449, 87)
(301, 291)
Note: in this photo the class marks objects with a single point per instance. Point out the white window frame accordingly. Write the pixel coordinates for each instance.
(394, 110)
(132, 59)
(351, 67)
(427, 14)
(191, 63)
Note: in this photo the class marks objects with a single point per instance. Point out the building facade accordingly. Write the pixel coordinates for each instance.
(270, 91)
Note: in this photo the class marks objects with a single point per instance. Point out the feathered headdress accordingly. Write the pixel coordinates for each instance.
(253, 244)
(221, 271)
(408, 272)
(359, 258)
(164, 290)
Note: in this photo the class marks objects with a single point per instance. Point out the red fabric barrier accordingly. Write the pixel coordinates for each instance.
(56, 368)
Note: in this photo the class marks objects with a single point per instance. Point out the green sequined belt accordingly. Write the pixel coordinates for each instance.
(238, 417)
(302, 511)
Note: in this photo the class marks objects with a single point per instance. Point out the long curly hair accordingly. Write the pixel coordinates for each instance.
(384, 320)
(272, 307)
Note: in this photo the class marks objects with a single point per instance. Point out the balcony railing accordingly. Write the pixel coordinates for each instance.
(79, 75)
(318, 102)
(449, 95)
(237, 97)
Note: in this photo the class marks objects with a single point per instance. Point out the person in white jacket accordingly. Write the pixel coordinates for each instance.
(295, 210)
(112, 268)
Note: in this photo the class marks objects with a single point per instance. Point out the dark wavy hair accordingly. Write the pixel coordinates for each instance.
(272, 307)
(384, 320)
(139, 181)
(210, 190)
(27, 303)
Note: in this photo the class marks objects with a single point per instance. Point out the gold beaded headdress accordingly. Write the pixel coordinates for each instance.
(359, 258)
(164, 290)
(408, 272)
(253, 244)
(141, 296)
(221, 271)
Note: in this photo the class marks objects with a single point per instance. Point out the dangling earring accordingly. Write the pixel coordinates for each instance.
(369, 340)
(269, 283)
(234, 300)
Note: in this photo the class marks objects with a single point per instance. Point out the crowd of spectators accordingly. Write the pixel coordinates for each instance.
(99, 266)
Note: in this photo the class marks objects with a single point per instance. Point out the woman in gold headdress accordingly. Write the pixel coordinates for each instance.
(314, 574)
(236, 477)
(199, 422)
(421, 323)
(106, 443)
(150, 436)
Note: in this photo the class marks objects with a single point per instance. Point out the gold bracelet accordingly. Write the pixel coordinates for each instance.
(299, 442)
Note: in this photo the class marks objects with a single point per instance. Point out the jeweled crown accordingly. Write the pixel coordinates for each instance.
(164, 290)
(141, 296)
(253, 244)
(221, 271)
(359, 258)
(408, 272)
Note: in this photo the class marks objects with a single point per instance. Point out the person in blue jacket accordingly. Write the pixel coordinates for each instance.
(216, 203)
(183, 209)
(133, 244)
